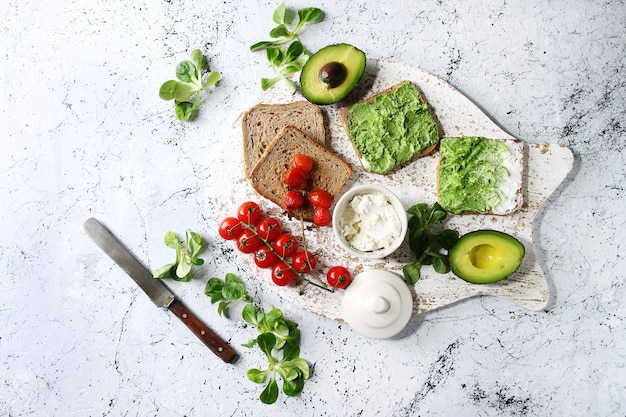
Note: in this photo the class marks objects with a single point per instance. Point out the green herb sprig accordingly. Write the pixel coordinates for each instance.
(427, 243)
(225, 292)
(193, 77)
(285, 331)
(292, 369)
(186, 256)
(285, 62)
(285, 53)
(276, 335)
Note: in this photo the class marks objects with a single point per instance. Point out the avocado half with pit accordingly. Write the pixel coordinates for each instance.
(485, 256)
(331, 73)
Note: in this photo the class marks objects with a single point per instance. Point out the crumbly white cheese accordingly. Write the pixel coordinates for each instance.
(366, 165)
(370, 222)
(512, 184)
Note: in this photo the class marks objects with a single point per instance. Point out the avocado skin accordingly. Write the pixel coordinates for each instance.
(318, 92)
(505, 256)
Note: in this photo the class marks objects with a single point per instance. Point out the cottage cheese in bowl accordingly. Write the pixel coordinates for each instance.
(370, 221)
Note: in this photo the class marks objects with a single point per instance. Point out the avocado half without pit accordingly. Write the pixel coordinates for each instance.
(485, 256)
(332, 73)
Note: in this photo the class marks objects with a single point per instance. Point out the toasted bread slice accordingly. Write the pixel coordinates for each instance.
(329, 173)
(391, 128)
(262, 122)
(478, 175)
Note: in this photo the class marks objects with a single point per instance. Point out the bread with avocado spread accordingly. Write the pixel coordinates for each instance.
(391, 128)
(480, 175)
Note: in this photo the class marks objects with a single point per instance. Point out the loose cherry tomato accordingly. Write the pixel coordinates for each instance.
(320, 198)
(286, 245)
(338, 277)
(249, 213)
(322, 216)
(282, 275)
(303, 261)
(303, 161)
(293, 200)
(269, 228)
(264, 257)
(230, 228)
(296, 178)
(248, 241)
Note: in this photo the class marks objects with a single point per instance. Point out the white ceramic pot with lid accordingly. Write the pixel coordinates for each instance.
(377, 304)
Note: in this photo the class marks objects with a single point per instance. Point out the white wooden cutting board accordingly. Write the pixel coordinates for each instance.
(547, 166)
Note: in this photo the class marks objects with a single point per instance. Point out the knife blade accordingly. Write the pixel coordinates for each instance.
(158, 292)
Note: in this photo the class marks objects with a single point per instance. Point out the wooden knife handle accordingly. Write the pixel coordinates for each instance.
(213, 341)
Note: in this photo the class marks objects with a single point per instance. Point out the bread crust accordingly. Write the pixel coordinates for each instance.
(344, 118)
(262, 122)
(329, 173)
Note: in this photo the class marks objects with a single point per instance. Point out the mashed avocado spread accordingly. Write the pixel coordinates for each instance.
(470, 173)
(392, 129)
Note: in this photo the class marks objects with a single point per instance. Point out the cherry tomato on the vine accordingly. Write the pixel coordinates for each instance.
(338, 277)
(269, 229)
(282, 275)
(320, 198)
(304, 261)
(249, 213)
(264, 257)
(303, 161)
(296, 178)
(293, 200)
(322, 216)
(230, 228)
(286, 245)
(248, 241)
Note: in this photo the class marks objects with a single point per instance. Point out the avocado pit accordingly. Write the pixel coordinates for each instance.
(484, 256)
(333, 74)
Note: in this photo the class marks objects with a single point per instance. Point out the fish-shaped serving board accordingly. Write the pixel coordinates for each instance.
(547, 165)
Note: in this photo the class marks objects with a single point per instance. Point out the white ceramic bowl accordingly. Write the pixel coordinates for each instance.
(343, 203)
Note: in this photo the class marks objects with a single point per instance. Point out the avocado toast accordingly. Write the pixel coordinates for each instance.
(391, 128)
(480, 175)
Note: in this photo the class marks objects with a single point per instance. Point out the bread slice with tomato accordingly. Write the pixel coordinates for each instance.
(329, 173)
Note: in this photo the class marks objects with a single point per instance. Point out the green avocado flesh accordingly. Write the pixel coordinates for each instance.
(485, 256)
(392, 129)
(470, 173)
(331, 73)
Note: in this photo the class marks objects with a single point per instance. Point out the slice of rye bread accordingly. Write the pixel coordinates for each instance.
(262, 122)
(329, 173)
(512, 185)
(344, 116)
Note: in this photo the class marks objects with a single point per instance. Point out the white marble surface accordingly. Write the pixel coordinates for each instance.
(84, 133)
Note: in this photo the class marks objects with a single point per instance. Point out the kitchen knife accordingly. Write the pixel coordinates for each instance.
(155, 288)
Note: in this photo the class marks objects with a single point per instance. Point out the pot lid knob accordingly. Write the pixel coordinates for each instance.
(380, 305)
(377, 304)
